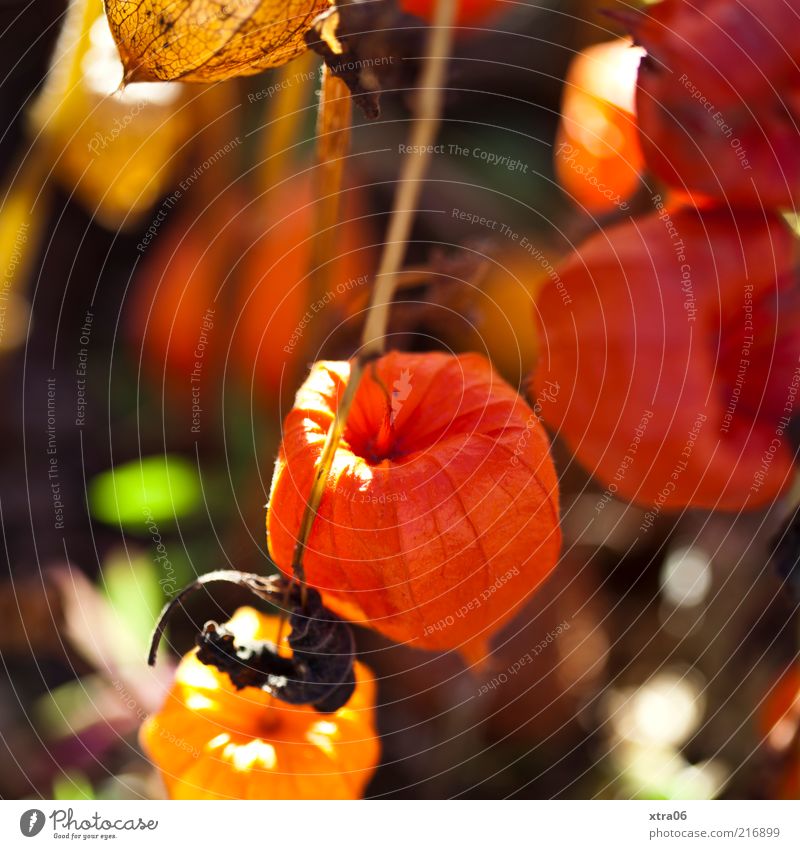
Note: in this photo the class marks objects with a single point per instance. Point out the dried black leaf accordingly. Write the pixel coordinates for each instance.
(318, 673)
(368, 46)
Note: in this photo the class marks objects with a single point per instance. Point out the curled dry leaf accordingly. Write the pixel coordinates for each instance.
(199, 41)
(371, 47)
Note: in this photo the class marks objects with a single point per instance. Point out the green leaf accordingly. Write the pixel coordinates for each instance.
(134, 593)
(137, 494)
(70, 708)
(70, 786)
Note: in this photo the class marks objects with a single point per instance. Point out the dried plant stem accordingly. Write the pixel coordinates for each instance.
(426, 126)
(427, 118)
(332, 440)
(333, 142)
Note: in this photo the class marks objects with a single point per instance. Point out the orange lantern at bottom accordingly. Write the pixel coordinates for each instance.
(440, 516)
(211, 741)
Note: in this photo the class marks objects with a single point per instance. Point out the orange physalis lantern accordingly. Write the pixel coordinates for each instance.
(211, 741)
(676, 341)
(719, 97)
(244, 270)
(598, 159)
(176, 303)
(279, 308)
(440, 516)
(470, 12)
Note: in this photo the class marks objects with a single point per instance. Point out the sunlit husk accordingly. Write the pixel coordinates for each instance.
(194, 41)
(441, 512)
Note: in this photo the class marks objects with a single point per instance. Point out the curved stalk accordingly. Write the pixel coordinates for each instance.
(427, 119)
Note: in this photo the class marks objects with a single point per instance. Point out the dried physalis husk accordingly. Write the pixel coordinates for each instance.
(116, 148)
(442, 493)
(199, 41)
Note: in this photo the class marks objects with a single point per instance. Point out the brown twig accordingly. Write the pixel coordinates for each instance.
(427, 118)
(333, 142)
(266, 588)
(426, 126)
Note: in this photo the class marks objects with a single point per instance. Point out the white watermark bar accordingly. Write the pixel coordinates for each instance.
(367, 824)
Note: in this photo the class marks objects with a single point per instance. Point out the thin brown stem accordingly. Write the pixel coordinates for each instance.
(427, 119)
(332, 440)
(333, 142)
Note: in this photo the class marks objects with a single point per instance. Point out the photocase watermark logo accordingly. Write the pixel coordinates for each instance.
(401, 389)
(31, 822)
(64, 824)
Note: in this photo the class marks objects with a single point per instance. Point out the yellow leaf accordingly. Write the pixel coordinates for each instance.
(22, 215)
(115, 149)
(204, 41)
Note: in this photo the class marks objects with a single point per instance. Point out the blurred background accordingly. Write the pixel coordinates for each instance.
(157, 317)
